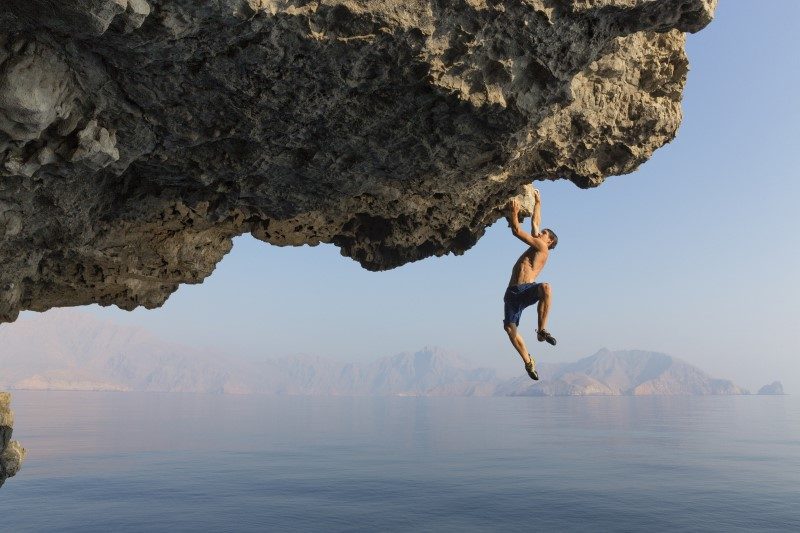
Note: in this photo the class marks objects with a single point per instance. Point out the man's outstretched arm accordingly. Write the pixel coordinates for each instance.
(521, 234)
(536, 219)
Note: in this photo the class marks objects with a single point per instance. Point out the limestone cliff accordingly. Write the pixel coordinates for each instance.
(11, 453)
(137, 137)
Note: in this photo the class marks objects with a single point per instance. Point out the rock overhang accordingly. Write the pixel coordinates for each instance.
(137, 138)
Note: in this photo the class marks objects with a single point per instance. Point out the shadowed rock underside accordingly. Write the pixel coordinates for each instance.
(138, 137)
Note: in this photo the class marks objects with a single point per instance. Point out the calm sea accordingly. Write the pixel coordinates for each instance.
(180, 462)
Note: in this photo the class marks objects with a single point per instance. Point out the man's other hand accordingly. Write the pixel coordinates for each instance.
(513, 206)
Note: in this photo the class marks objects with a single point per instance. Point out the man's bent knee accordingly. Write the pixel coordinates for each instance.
(510, 328)
(546, 290)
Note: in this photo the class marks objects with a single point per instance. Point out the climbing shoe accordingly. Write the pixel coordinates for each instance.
(543, 335)
(531, 370)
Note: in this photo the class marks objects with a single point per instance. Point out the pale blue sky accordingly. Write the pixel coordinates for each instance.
(696, 254)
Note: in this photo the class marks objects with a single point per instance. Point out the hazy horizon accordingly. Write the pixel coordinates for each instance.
(78, 348)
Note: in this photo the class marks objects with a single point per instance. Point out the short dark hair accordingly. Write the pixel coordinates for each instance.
(552, 236)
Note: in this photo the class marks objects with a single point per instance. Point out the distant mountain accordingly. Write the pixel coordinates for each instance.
(69, 350)
(632, 372)
(776, 388)
(408, 374)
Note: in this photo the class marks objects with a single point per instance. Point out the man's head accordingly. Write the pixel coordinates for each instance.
(550, 238)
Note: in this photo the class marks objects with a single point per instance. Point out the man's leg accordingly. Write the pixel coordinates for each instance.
(543, 308)
(517, 341)
(545, 293)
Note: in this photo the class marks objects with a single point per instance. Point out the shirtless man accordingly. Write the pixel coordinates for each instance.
(523, 291)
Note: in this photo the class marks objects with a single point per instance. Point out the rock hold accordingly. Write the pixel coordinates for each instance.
(137, 138)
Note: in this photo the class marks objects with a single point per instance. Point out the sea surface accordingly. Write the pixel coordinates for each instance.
(183, 462)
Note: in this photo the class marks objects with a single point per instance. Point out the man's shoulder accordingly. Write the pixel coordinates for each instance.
(544, 251)
(539, 254)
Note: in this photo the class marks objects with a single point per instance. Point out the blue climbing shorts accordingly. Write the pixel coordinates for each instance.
(518, 298)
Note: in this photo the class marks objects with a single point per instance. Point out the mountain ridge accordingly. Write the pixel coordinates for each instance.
(68, 350)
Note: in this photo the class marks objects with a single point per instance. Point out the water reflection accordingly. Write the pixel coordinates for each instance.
(201, 461)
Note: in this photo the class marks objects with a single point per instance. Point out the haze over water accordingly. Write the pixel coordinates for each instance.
(180, 462)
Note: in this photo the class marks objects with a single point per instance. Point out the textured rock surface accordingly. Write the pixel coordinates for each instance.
(137, 137)
(11, 453)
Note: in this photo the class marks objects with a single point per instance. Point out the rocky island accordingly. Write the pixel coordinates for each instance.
(774, 388)
(11, 453)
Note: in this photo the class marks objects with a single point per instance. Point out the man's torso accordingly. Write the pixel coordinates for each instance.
(528, 266)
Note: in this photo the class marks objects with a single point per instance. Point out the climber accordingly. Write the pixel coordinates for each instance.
(523, 291)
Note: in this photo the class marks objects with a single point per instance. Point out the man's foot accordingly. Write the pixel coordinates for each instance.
(529, 368)
(544, 335)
